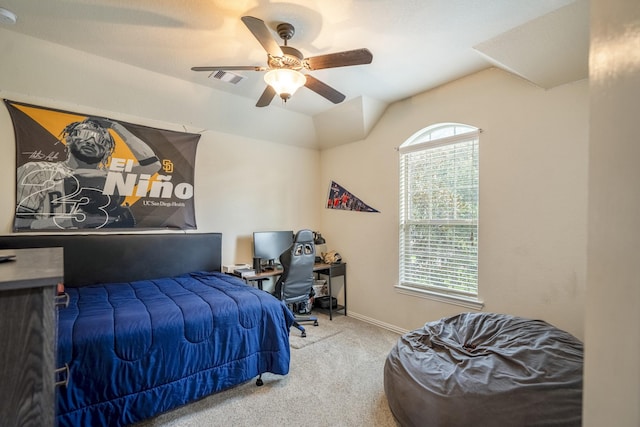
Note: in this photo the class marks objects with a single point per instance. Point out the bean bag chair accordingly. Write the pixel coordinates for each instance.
(485, 369)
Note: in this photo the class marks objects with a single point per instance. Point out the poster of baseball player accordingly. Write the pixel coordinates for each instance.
(76, 171)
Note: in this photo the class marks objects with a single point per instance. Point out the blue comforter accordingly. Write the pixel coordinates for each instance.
(137, 349)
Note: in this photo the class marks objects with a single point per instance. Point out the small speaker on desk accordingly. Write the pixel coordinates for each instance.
(257, 265)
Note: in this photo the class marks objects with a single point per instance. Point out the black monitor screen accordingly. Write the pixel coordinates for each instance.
(268, 245)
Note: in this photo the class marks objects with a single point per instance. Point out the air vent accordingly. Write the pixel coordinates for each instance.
(226, 76)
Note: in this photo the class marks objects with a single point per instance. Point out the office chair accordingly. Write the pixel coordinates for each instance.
(296, 281)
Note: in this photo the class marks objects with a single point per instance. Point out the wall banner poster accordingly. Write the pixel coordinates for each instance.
(340, 198)
(80, 172)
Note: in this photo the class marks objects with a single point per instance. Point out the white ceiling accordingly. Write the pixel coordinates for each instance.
(416, 44)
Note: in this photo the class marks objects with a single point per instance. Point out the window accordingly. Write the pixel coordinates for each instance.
(439, 212)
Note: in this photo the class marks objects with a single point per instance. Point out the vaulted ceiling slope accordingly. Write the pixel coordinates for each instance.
(416, 46)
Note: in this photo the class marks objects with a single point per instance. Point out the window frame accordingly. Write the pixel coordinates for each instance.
(427, 141)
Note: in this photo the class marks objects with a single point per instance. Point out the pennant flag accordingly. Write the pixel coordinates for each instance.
(339, 198)
(76, 171)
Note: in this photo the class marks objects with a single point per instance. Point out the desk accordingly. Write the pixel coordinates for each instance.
(334, 270)
(330, 270)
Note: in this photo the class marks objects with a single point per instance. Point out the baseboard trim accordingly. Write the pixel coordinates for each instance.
(376, 322)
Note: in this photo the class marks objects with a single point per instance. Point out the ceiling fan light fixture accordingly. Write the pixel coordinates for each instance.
(285, 81)
(284, 64)
(7, 17)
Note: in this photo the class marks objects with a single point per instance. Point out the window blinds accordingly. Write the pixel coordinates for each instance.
(439, 215)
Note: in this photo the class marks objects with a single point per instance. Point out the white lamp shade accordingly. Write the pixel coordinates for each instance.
(285, 81)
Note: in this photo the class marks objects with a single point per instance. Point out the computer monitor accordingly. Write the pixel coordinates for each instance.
(268, 245)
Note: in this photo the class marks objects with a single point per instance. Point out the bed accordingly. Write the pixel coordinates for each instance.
(485, 369)
(152, 324)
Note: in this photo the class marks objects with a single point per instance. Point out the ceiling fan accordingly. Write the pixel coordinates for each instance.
(285, 64)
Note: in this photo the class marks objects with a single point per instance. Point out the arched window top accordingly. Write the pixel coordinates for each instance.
(439, 131)
(439, 194)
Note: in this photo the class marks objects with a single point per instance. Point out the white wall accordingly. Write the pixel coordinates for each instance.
(533, 200)
(242, 184)
(612, 372)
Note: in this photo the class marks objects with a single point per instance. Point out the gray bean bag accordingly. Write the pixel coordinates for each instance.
(485, 369)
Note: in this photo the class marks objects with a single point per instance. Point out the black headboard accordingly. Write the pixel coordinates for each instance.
(108, 258)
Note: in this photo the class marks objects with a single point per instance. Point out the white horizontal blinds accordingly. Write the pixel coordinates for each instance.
(439, 214)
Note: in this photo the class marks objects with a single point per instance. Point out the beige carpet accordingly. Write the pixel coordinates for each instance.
(336, 379)
(325, 329)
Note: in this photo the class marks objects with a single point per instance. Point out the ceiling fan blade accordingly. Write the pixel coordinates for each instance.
(260, 31)
(266, 97)
(324, 89)
(340, 59)
(230, 68)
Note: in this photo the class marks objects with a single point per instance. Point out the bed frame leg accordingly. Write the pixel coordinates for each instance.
(259, 381)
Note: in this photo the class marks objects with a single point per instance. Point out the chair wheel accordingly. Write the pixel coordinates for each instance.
(303, 334)
(315, 323)
(259, 382)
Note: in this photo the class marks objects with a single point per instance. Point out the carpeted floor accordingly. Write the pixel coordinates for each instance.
(335, 379)
(314, 333)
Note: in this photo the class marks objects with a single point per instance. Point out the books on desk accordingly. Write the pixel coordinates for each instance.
(231, 268)
(244, 272)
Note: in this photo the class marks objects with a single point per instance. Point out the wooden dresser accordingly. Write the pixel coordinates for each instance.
(28, 288)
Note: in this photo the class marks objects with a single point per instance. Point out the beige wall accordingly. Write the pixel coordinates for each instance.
(242, 184)
(533, 176)
(535, 167)
(612, 370)
(533, 200)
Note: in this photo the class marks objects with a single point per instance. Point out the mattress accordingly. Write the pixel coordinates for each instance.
(138, 349)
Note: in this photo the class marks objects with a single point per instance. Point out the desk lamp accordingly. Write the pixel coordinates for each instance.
(320, 244)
